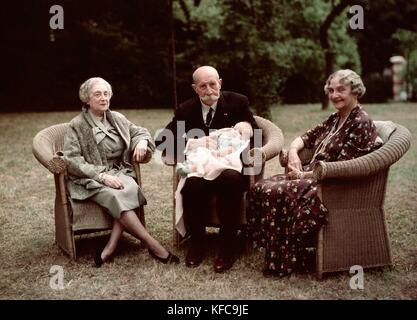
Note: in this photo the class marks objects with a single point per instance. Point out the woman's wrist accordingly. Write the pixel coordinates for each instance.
(142, 143)
(102, 177)
(307, 174)
(293, 151)
(303, 174)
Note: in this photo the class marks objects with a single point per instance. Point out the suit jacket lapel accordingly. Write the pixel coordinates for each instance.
(197, 116)
(219, 119)
(221, 114)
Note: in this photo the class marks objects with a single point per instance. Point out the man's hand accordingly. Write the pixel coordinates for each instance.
(141, 148)
(205, 142)
(245, 129)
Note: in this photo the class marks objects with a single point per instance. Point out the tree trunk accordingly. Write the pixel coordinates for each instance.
(172, 56)
(330, 58)
(329, 54)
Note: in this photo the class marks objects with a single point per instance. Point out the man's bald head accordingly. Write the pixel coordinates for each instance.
(204, 71)
(207, 84)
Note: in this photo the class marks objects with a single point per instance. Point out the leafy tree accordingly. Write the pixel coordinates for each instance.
(329, 52)
(269, 50)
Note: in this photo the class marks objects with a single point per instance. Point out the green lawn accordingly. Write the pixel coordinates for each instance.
(27, 249)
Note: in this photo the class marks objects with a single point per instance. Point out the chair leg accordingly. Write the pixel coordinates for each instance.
(176, 239)
(73, 253)
(319, 255)
(319, 275)
(64, 234)
(68, 246)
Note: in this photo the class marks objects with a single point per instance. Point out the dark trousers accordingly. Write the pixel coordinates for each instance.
(197, 193)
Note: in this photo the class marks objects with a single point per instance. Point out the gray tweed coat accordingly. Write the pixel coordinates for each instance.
(86, 159)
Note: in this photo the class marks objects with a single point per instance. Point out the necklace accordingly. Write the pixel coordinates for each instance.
(332, 133)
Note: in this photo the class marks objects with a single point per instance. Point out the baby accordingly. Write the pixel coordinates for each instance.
(222, 151)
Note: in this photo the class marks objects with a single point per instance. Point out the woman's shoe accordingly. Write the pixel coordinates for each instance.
(170, 259)
(275, 274)
(98, 261)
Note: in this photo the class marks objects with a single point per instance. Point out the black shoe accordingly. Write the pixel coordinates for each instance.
(224, 262)
(172, 258)
(275, 274)
(97, 259)
(269, 273)
(194, 257)
(98, 262)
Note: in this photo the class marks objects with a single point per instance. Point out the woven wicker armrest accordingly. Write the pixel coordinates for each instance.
(283, 158)
(273, 138)
(57, 164)
(382, 158)
(46, 150)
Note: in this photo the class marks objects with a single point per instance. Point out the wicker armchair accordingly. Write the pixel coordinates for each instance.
(72, 217)
(354, 193)
(272, 143)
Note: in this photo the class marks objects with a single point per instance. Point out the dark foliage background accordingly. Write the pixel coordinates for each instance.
(268, 50)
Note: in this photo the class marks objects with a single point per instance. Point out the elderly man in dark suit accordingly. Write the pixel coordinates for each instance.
(210, 109)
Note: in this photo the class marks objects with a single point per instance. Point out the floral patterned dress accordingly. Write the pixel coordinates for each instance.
(284, 215)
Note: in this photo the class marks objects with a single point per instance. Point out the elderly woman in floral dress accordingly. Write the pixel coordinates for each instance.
(285, 210)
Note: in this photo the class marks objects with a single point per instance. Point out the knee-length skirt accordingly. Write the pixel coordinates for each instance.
(115, 201)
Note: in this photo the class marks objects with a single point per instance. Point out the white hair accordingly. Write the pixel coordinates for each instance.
(204, 69)
(85, 88)
(348, 77)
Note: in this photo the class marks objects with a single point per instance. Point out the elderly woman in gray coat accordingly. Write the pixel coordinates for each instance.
(97, 149)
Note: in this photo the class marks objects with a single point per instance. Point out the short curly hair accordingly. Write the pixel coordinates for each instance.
(348, 77)
(85, 88)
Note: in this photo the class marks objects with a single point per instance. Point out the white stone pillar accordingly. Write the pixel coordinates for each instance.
(398, 81)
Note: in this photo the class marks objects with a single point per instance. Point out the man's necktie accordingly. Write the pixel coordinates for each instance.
(209, 117)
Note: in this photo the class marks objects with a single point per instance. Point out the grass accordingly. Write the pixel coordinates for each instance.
(27, 249)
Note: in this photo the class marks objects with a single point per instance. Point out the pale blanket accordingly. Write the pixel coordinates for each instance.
(209, 165)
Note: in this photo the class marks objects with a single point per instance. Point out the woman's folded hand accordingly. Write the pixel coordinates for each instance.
(141, 148)
(295, 174)
(111, 181)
